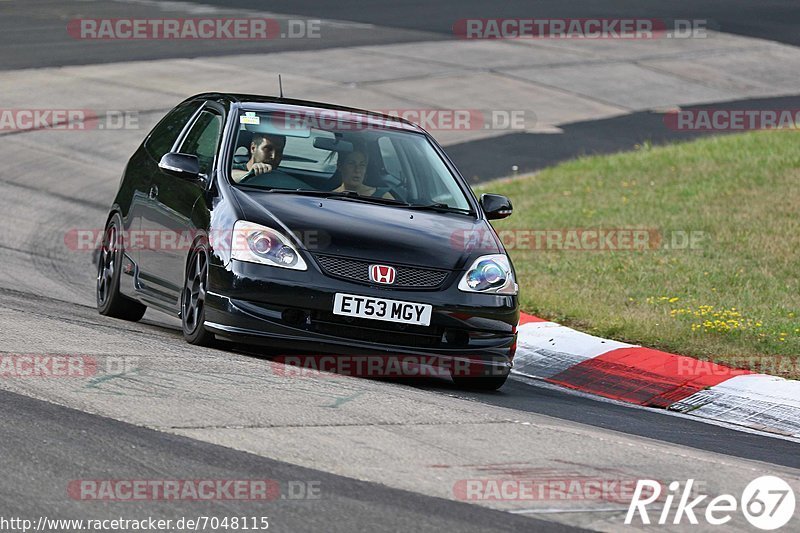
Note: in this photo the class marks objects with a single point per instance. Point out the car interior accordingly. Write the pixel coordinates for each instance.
(320, 173)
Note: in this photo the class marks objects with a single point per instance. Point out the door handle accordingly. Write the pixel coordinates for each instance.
(153, 192)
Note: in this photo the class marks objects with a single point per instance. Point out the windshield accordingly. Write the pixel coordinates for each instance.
(330, 152)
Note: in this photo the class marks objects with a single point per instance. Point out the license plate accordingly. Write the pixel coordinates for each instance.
(382, 309)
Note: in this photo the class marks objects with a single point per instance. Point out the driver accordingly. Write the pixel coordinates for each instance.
(266, 152)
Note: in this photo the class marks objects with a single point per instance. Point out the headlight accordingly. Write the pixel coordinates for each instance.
(489, 274)
(258, 244)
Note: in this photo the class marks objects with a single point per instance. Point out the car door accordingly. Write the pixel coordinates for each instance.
(171, 202)
(144, 165)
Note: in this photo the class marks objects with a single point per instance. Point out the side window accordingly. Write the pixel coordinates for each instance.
(166, 132)
(203, 138)
(389, 155)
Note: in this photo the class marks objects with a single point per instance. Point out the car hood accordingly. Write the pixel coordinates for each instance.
(372, 232)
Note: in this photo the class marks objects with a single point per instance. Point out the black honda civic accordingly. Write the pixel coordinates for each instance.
(315, 228)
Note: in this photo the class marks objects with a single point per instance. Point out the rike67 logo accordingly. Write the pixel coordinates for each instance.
(767, 502)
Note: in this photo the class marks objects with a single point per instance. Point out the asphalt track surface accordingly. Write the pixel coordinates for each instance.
(177, 418)
(775, 20)
(32, 38)
(76, 444)
(32, 32)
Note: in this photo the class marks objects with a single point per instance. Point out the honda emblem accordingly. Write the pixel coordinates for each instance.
(382, 274)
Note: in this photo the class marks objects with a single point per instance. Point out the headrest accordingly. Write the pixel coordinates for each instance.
(241, 155)
(244, 139)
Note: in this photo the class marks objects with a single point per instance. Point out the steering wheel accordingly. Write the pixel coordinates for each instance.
(380, 192)
(252, 173)
(247, 176)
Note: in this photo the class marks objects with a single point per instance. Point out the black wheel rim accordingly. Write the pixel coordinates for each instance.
(106, 265)
(194, 292)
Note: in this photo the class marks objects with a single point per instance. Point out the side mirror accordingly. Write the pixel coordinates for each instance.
(182, 166)
(496, 206)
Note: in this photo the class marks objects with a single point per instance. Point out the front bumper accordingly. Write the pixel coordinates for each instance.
(291, 310)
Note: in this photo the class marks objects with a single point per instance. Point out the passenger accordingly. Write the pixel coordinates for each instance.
(266, 152)
(352, 168)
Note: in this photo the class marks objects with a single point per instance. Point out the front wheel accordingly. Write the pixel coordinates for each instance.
(193, 299)
(110, 302)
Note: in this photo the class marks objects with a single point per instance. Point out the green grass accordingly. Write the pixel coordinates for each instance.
(735, 298)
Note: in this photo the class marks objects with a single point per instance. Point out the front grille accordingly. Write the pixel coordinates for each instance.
(356, 270)
(376, 331)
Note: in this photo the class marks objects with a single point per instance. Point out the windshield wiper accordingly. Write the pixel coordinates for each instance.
(352, 195)
(302, 192)
(438, 207)
(344, 195)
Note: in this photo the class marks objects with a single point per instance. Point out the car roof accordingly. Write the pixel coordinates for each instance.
(253, 100)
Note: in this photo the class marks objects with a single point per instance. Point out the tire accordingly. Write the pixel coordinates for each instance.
(480, 383)
(110, 302)
(193, 298)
